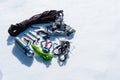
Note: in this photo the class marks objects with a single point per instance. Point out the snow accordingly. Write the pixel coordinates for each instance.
(96, 43)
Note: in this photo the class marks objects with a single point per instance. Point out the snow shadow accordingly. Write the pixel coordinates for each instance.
(1, 75)
(10, 40)
(46, 63)
(22, 57)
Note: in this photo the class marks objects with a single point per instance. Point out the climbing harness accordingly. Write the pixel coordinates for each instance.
(60, 29)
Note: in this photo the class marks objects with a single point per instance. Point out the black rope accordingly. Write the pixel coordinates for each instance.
(45, 17)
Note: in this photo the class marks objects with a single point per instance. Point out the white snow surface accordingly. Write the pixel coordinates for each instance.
(96, 52)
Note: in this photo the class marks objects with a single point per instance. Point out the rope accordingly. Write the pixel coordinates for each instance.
(45, 17)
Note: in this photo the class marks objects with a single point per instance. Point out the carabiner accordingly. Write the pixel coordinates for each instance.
(46, 46)
(63, 57)
(43, 34)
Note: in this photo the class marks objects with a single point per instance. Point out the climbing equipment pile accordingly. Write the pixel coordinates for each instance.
(39, 40)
